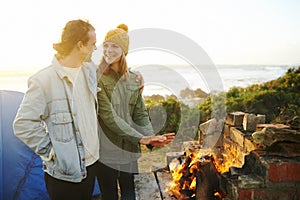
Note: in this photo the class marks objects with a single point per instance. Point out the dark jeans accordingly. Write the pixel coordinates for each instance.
(109, 176)
(59, 189)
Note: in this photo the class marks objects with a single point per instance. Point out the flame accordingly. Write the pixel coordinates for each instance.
(229, 159)
(184, 179)
(217, 194)
(184, 175)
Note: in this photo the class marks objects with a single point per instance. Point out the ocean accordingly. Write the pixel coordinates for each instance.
(167, 80)
(171, 79)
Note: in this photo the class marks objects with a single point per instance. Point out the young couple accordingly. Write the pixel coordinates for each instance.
(66, 102)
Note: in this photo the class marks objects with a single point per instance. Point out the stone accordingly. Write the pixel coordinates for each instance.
(190, 147)
(261, 126)
(271, 135)
(237, 136)
(294, 123)
(210, 132)
(249, 122)
(250, 181)
(235, 118)
(173, 155)
(260, 119)
(208, 126)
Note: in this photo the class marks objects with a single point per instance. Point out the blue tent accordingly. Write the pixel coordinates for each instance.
(21, 174)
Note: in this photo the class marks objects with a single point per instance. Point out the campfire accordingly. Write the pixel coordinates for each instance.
(251, 161)
(197, 176)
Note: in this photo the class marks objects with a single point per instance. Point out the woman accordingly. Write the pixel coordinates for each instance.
(123, 119)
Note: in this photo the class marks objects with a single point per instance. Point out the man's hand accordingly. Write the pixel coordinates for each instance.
(139, 78)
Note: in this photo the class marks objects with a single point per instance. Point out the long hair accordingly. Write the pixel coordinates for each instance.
(104, 68)
(73, 32)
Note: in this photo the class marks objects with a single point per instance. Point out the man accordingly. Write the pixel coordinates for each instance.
(57, 117)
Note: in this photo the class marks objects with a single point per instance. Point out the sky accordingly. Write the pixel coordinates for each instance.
(230, 32)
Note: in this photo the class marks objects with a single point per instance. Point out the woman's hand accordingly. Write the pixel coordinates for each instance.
(170, 136)
(158, 140)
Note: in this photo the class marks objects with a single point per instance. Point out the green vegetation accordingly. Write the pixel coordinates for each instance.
(278, 99)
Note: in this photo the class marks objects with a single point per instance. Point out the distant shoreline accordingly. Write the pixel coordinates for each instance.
(15, 74)
(231, 76)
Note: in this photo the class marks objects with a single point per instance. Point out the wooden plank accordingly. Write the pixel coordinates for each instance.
(165, 181)
(146, 187)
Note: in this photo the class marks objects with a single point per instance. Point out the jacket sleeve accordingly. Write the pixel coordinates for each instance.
(141, 117)
(28, 124)
(110, 118)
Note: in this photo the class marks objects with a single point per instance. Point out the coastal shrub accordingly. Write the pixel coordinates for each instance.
(278, 99)
(274, 98)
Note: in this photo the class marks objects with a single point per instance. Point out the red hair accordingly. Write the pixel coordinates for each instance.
(104, 67)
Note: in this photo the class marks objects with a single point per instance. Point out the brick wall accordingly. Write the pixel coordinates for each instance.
(258, 174)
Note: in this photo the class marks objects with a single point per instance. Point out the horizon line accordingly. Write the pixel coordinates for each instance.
(174, 64)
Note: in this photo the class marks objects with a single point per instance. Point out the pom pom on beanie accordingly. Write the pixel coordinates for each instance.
(123, 26)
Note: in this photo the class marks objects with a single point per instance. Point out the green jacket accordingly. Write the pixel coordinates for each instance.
(123, 118)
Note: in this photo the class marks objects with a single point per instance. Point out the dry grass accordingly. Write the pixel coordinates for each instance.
(152, 158)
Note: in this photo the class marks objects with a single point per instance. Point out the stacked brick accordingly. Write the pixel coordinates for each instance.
(260, 173)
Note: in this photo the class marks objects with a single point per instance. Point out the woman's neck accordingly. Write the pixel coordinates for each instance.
(115, 66)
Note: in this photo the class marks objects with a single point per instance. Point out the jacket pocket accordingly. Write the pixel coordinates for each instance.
(133, 93)
(62, 127)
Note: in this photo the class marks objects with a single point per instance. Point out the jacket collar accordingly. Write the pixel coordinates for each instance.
(89, 70)
(58, 68)
(62, 73)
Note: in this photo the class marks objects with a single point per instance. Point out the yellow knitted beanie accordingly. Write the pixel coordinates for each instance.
(119, 36)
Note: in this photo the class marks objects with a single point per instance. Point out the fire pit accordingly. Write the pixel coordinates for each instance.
(241, 166)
